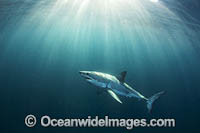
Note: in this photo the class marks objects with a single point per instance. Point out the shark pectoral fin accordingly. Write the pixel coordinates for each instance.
(114, 96)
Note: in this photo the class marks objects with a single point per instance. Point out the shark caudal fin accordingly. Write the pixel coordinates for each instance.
(152, 99)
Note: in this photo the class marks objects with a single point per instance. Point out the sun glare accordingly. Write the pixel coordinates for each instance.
(155, 1)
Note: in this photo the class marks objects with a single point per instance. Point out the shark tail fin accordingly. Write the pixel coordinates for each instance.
(152, 99)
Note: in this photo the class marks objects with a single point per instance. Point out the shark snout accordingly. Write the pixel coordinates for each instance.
(80, 72)
(83, 72)
(86, 74)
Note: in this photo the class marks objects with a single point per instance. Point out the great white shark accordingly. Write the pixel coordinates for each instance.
(115, 85)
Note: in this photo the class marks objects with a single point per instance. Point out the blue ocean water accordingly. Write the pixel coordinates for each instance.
(45, 43)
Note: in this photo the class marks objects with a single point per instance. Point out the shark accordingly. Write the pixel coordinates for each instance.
(115, 86)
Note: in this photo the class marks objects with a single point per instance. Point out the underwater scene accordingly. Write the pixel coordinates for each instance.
(74, 59)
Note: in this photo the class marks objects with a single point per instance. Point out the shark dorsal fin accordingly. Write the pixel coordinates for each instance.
(122, 76)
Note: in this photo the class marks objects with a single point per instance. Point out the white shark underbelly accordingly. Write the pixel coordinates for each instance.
(124, 90)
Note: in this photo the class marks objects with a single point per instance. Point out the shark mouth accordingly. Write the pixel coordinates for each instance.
(88, 78)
